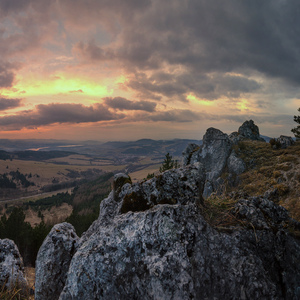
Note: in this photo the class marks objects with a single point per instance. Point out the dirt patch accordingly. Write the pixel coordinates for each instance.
(30, 276)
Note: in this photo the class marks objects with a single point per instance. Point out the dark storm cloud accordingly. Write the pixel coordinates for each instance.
(58, 113)
(176, 115)
(203, 86)
(124, 104)
(9, 103)
(208, 37)
(7, 6)
(259, 118)
(7, 75)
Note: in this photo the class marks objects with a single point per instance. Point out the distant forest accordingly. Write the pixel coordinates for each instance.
(85, 200)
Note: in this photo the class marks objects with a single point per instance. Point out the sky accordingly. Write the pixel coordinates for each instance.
(161, 69)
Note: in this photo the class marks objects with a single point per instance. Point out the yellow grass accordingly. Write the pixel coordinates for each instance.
(141, 174)
(80, 160)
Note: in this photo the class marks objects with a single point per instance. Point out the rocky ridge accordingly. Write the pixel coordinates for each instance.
(151, 240)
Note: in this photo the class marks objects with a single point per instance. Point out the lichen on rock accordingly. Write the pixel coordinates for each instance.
(12, 273)
(53, 261)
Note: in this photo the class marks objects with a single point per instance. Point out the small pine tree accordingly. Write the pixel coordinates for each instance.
(168, 163)
(296, 130)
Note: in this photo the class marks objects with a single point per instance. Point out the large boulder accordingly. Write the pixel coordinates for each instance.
(53, 261)
(11, 266)
(213, 156)
(171, 252)
(183, 185)
(215, 152)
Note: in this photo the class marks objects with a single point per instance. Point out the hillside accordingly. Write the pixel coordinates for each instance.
(48, 167)
(272, 171)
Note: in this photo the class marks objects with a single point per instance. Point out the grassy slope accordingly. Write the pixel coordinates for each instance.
(269, 169)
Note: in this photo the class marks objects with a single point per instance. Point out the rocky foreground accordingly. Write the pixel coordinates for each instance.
(153, 241)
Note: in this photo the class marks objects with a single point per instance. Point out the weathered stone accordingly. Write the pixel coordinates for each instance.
(190, 154)
(120, 179)
(285, 141)
(170, 252)
(213, 155)
(183, 185)
(235, 137)
(235, 164)
(11, 266)
(151, 240)
(53, 261)
(250, 131)
(261, 213)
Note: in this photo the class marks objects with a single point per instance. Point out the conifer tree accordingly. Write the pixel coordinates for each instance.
(296, 130)
(168, 163)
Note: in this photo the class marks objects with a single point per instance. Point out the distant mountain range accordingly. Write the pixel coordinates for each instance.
(114, 149)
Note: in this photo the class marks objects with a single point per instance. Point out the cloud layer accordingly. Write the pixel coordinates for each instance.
(181, 61)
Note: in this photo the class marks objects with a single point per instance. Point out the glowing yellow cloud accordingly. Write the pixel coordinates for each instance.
(191, 97)
(243, 105)
(57, 85)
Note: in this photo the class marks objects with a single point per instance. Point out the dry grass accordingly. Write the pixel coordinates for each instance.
(15, 293)
(217, 211)
(269, 169)
(141, 174)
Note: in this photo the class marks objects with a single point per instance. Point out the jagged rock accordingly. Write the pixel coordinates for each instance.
(215, 152)
(213, 156)
(190, 154)
(250, 131)
(235, 164)
(181, 185)
(11, 266)
(170, 252)
(53, 261)
(120, 179)
(151, 240)
(285, 141)
(235, 137)
(261, 213)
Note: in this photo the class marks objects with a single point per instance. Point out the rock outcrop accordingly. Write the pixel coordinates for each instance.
(250, 131)
(171, 252)
(152, 241)
(11, 266)
(285, 141)
(216, 155)
(53, 261)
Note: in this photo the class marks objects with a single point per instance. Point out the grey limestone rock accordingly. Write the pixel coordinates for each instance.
(183, 185)
(250, 131)
(214, 155)
(11, 266)
(53, 261)
(215, 152)
(235, 137)
(262, 213)
(190, 154)
(235, 164)
(151, 240)
(171, 252)
(285, 141)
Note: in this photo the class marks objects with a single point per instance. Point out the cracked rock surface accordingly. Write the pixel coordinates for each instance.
(53, 261)
(11, 265)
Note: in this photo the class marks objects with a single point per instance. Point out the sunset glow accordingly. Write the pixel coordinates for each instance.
(102, 69)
